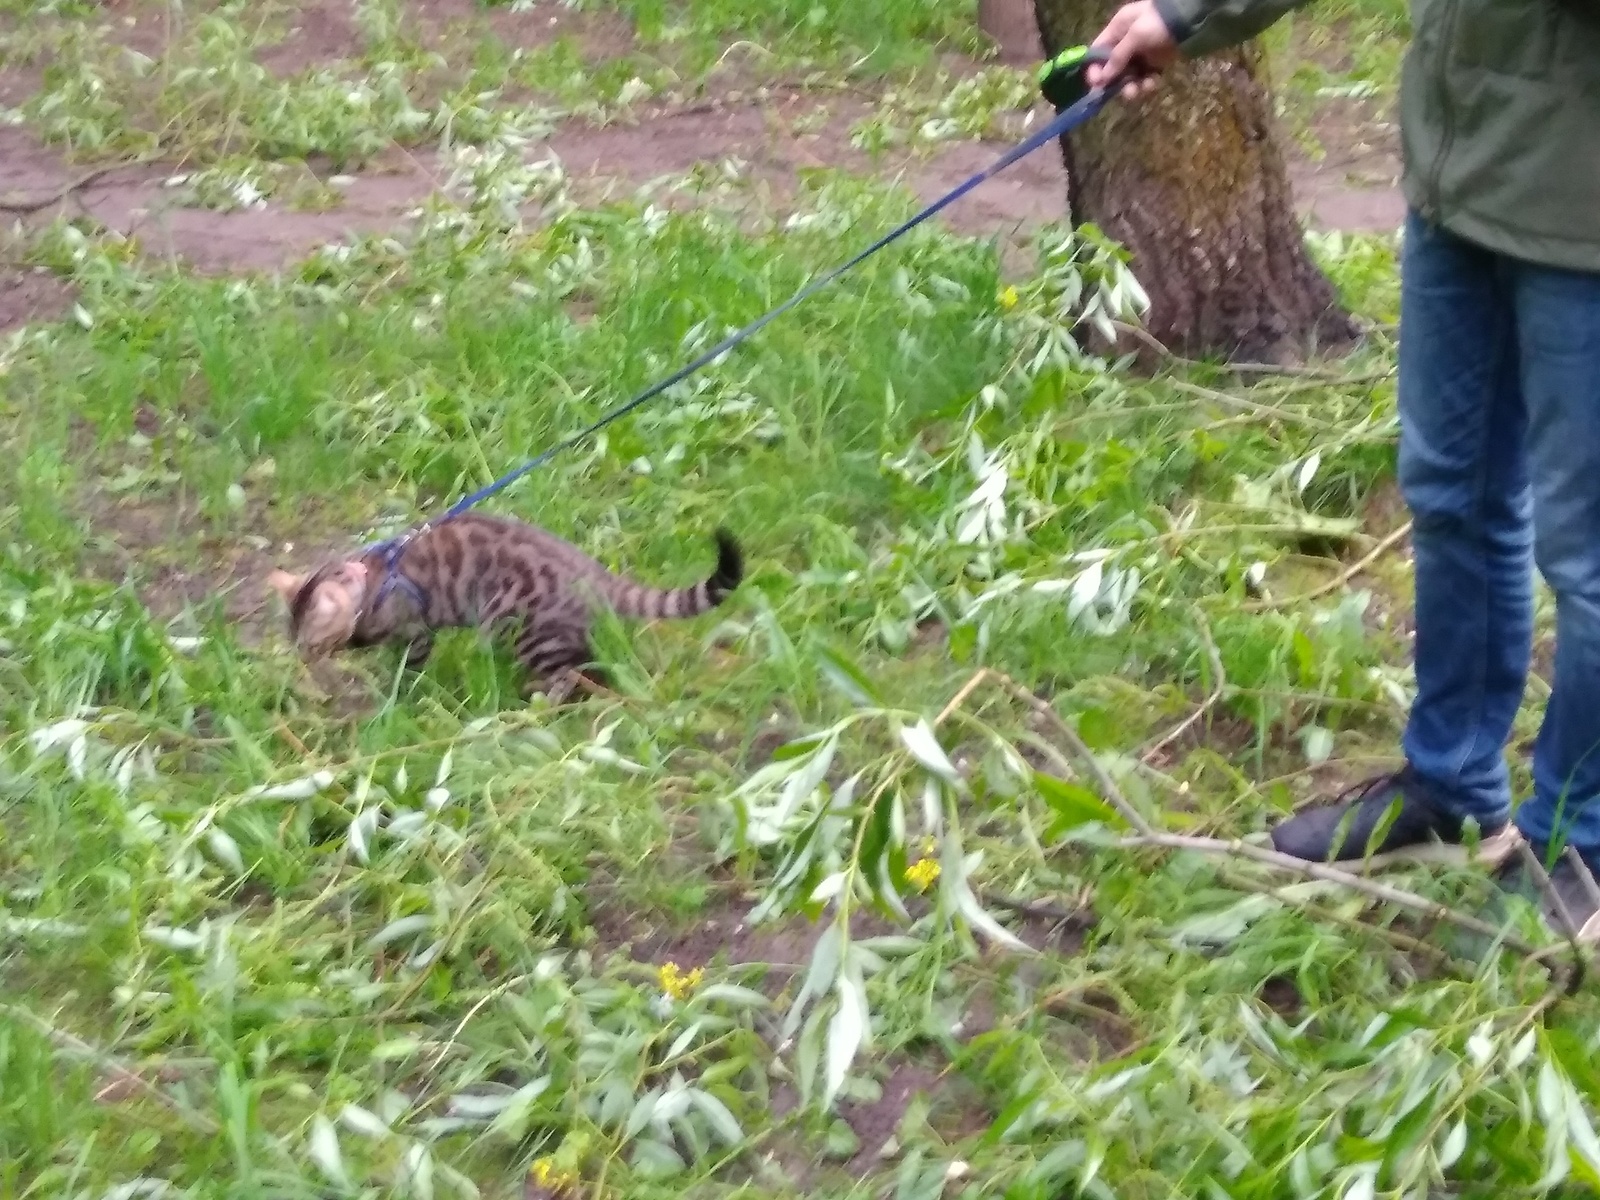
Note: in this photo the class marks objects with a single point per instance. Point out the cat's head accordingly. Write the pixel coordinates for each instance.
(324, 605)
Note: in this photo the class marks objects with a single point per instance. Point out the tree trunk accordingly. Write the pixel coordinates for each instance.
(1012, 27)
(1192, 181)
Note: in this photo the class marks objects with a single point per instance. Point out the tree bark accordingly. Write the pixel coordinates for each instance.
(1192, 181)
(1012, 27)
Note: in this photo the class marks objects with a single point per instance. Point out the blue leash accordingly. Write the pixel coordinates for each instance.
(1067, 120)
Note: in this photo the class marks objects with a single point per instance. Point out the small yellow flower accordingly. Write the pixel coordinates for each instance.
(675, 983)
(547, 1175)
(1008, 298)
(922, 873)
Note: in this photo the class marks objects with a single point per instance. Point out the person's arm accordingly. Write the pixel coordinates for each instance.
(1201, 26)
(1154, 33)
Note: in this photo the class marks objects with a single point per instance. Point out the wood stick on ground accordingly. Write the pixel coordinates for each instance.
(1329, 375)
(72, 1044)
(1388, 894)
(1397, 939)
(1559, 960)
(1109, 791)
(24, 208)
(1254, 407)
(976, 681)
(1210, 702)
(1148, 836)
(1535, 868)
(292, 740)
(1575, 860)
(1387, 543)
(1077, 918)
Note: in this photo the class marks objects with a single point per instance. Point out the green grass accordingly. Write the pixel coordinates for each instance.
(269, 931)
(884, 36)
(204, 93)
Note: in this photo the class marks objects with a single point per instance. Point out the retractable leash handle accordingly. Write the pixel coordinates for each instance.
(1063, 79)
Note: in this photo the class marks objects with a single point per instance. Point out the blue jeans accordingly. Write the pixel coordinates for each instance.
(1500, 466)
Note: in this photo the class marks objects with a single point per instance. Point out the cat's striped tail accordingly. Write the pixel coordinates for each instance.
(639, 601)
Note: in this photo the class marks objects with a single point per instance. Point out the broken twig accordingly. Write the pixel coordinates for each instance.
(1384, 892)
(23, 208)
(1210, 702)
(71, 1044)
(1385, 544)
(1109, 791)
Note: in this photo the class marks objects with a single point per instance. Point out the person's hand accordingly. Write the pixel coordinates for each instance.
(1139, 41)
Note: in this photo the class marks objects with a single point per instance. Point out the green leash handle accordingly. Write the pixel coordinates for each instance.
(1062, 81)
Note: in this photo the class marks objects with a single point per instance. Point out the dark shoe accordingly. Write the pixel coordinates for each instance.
(1342, 830)
(1576, 892)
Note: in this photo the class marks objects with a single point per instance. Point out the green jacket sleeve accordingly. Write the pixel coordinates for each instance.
(1201, 26)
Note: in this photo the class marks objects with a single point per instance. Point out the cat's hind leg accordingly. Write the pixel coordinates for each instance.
(557, 656)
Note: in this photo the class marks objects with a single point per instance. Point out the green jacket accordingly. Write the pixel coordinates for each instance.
(1499, 115)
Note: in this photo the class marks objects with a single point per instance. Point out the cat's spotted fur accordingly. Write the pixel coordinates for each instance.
(491, 573)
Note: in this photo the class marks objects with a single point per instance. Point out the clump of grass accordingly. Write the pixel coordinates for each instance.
(988, 104)
(890, 36)
(269, 930)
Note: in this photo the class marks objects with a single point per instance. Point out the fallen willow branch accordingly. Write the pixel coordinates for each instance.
(1384, 892)
(1330, 376)
(1255, 407)
(71, 1044)
(976, 681)
(1148, 836)
(1074, 918)
(1109, 791)
(1535, 868)
(1396, 938)
(1386, 544)
(1210, 702)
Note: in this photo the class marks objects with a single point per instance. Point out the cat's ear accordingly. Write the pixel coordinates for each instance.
(286, 585)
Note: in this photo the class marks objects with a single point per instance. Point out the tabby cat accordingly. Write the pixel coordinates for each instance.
(490, 573)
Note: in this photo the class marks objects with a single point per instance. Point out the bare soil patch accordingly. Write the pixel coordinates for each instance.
(1356, 183)
(320, 33)
(179, 560)
(258, 239)
(719, 933)
(18, 82)
(27, 296)
(136, 202)
(781, 139)
(1344, 158)
(955, 1110)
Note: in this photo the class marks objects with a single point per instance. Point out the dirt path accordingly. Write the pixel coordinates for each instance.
(770, 145)
(764, 143)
